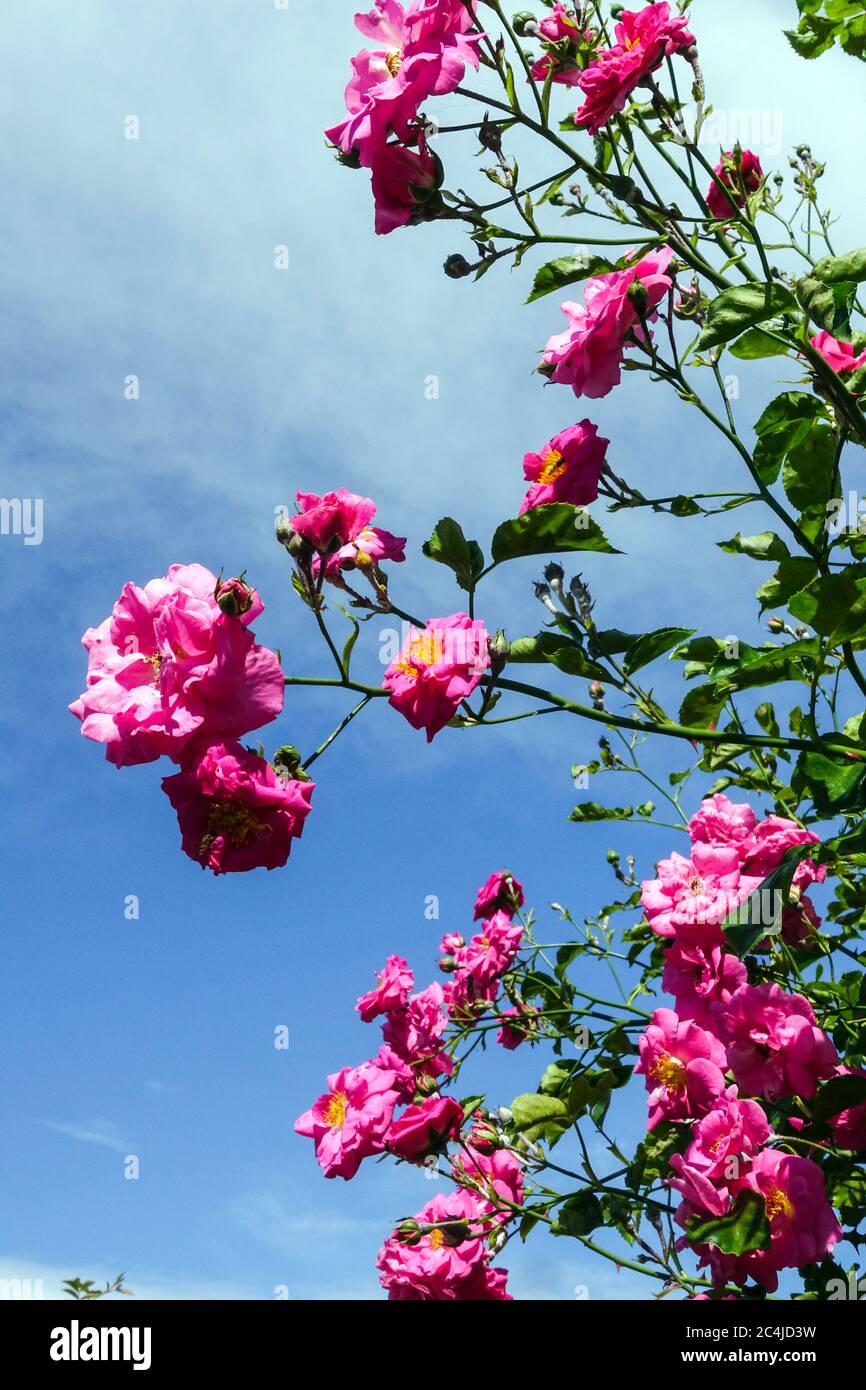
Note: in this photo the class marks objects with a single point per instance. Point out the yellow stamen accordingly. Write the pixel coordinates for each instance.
(394, 61)
(778, 1203)
(424, 650)
(669, 1072)
(156, 664)
(554, 466)
(232, 819)
(436, 1238)
(335, 1110)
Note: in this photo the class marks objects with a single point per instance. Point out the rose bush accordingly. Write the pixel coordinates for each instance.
(740, 1001)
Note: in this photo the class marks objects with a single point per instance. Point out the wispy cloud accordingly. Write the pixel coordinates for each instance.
(105, 1133)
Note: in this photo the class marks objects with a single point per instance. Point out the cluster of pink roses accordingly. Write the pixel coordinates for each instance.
(644, 38)
(767, 1039)
(422, 51)
(175, 670)
(439, 666)
(443, 1252)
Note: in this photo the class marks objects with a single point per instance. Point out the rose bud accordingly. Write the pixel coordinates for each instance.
(234, 597)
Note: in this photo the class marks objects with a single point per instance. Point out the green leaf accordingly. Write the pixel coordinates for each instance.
(745, 1227)
(592, 811)
(791, 576)
(651, 645)
(834, 604)
(838, 1094)
(755, 344)
(850, 268)
(784, 425)
(809, 476)
(701, 707)
(540, 648)
(742, 307)
(611, 641)
(566, 270)
(834, 786)
(448, 546)
(573, 661)
(766, 546)
(828, 306)
(653, 1154)
(578, 1216)
(545, 530)
(539, 1116)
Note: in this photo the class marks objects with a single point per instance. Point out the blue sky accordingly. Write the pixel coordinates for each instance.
(155, 258)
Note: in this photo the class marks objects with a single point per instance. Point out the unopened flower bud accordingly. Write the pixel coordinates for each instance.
(456, 266)
(408, 1232)
(499, 647)
(447, 964)
(554, 574)
(234, 597)
(490, 136)
(596, 691)
(287, 763)
(299, 548)
(542, 593)
(524, 24)
(639, 296)
(776, 625)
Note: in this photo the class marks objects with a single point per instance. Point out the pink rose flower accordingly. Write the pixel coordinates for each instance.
(692, 897)
(774, 1046)
(732, 1129)
(683, 1065)
(803, 1226)
(700, 976)
(767, 845)
(168, 666)
(331, 521)
(416, 1032)
(349, 1122)
(436, 670)
(588, 355)
(840, 356)
(502, 892)
(741, 177)
(451, 942)
(643, 39)
(489, 954)
(403, 183)
(440, 1265)
(392, 992)
(235, 812)
(525, 1025)
(849, 1126)
(722, 822)
(423, 51)
(425, 1128)
(567, 468)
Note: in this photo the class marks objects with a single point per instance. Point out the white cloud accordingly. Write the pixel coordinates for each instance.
(104, 1133)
